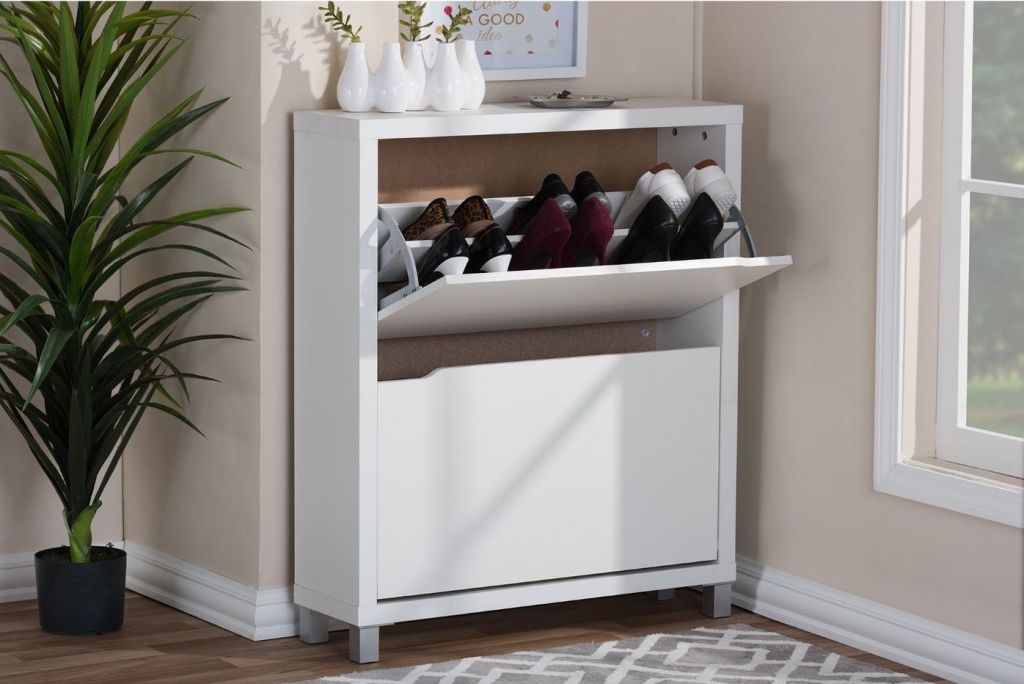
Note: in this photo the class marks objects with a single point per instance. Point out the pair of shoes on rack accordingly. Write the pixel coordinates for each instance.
(564, 229)
(450, 254)
(472, 217)
(657, 235)
(677, 191)
(569, 202)
(664, 224)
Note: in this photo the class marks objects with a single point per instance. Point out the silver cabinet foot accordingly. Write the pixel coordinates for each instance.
(363, 644)
(662, 594)
(717, 600)
(312, 626)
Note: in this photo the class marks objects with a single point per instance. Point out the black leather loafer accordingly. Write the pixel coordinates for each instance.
(586, 186)
(651, 235)
(551, 188)
(490, 253)
(447, 256)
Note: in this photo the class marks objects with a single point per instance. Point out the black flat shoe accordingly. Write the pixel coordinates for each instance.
(551, 188)
(586, 186)
(698, 231)
(651, 235)
(490, 253)
(447, 256)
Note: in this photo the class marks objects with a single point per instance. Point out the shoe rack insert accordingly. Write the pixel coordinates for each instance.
(507, 483)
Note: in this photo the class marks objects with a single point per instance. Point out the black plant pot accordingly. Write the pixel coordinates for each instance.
(81, 598)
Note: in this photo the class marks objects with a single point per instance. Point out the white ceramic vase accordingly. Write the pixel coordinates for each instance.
(447, 87)
(472, 74)
(391, 82)
(416, 74)
(355, 89)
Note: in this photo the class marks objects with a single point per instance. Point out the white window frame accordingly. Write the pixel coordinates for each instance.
(895, 472)
(955, 441)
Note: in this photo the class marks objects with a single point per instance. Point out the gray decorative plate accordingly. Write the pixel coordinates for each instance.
(566, 100)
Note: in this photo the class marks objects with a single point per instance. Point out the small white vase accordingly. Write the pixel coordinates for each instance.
(391, 82)
(416, 74)
(447, 87)
(472, 74)
(355, 91)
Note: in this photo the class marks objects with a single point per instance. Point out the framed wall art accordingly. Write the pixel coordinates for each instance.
(521, 40)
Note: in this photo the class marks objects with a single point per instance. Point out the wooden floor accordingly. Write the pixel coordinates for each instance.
(160, 644)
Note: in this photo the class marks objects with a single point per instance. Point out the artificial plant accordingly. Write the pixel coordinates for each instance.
(412, 13)
(456, 20)
(79, 369)
(340, 22)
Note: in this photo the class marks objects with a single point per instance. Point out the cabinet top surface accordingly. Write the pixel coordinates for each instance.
(518, 117)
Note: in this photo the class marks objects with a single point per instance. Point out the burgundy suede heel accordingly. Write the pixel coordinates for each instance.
(544, 241)
(591, 231)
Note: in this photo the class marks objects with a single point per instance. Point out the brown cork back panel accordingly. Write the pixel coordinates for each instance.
(421, 169)
(414, 357)
(412, 170)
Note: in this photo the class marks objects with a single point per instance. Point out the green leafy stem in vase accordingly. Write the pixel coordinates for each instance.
(456, 20)
(339, 22)
(413, 21)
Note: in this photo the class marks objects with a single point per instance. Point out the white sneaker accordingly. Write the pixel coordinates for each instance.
(661, 180)
(707, 176)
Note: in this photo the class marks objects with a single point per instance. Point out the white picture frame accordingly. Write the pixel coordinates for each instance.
(562, 61)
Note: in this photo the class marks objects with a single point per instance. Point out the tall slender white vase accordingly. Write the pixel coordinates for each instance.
(355, 89)
(472, 74)
(416, 74)
(447, 87)
(391, 82)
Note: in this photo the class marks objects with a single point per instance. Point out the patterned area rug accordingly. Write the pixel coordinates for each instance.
(736, 654)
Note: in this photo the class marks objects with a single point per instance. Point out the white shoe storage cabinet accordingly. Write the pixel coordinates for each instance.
(498, 485)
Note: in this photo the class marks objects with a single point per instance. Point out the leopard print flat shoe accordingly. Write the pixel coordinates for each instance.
(431, 223)
(473, 216)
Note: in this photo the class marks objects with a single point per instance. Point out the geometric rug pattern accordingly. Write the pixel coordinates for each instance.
(736, 654)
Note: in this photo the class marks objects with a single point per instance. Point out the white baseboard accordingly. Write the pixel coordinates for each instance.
(245, 610)
(17, 577)
(894, 634)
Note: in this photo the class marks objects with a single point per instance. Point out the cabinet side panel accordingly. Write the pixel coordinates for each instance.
(718, 322)
(335, 366)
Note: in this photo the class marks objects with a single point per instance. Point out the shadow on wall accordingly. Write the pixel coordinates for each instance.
(750, 468)
(300, 61)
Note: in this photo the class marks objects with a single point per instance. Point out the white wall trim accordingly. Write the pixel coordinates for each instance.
(245, 610)
(894, 472)
(894, 634)
(17, 577)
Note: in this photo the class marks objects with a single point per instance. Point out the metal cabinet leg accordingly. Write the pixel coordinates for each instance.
(312, 626)
(363, 644)
(717, 600)
(662, 594)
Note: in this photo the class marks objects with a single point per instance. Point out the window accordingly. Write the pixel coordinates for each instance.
(949, 392)
(980, 403)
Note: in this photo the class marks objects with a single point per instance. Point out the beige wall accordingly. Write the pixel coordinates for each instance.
(29, 508)
(300, 64)
(808, 75)
(192, 497)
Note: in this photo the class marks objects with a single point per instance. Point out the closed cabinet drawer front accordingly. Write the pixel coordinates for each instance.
(519, 472)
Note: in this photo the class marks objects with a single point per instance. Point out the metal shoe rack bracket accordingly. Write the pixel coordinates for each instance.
(407, 505)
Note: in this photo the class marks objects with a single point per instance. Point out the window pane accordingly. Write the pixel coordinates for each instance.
(997, 138)
(995, 328)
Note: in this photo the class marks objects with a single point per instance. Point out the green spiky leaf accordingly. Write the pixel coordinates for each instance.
(79, 369)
